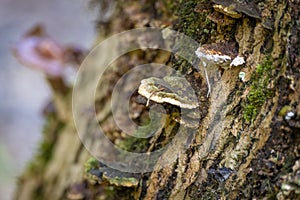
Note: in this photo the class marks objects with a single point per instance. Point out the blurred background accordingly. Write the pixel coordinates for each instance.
(24, 92)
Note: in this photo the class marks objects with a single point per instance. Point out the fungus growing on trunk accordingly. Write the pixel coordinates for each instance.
(213, 56)
(39, 51)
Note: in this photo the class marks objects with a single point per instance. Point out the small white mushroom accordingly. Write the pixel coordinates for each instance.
(289, 115)
(237, 61)
(242, 76)
(213, 56)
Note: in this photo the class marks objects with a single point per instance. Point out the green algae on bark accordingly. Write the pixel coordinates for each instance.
(259, 91)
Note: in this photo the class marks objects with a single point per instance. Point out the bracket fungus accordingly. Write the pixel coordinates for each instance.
(39, 51)
(219, 19)
(232, 8)
(176, 91)
(229, 11)
(213, 56)
(171, 89)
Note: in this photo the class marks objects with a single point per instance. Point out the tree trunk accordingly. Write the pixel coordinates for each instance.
(246, 144)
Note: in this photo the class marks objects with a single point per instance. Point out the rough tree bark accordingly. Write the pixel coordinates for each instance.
(251, 151)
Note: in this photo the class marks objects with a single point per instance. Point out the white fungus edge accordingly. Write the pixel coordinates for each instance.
(144, 92)
(237, 61)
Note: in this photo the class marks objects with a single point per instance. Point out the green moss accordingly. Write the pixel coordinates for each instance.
(91, 164)
(51, 129)
(134, 144)
(259, 91)
(123, 181)
(140, 142)
(169, 4)
(191, 23)
(137, 144)
(45, 150)
(194, 25)
(284, 110)
(120, 193)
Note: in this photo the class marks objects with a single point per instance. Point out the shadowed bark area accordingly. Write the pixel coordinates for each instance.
(247, 142)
